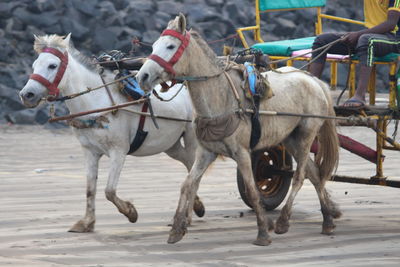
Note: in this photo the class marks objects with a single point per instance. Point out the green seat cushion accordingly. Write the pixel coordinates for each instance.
(285, 47)
(287, 4)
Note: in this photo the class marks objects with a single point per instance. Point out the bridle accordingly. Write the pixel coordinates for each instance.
(169, 65)
(54, 91)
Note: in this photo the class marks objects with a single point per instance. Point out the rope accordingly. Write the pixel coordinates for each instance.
(155, 116)
(170, 99)
(88, 90)
(232, 36)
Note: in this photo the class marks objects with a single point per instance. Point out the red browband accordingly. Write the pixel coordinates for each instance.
(53, 86)
(168, 66)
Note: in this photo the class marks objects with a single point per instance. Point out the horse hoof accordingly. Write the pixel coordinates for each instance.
(336, 214)
(198, 208)
(81, 227)
(262, 242)
(132, 215)
(328, 229)
(281, 227)
(175, 236)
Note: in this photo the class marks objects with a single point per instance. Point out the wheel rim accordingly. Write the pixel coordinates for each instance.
(268, 184)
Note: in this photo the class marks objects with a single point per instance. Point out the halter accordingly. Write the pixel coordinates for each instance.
(53, 86)
(169, 65)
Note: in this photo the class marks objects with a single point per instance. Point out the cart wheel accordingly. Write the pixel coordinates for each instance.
(272, 176)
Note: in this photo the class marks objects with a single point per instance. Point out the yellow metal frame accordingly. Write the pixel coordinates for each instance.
(381, 133)
(334, 63)
(257, 28)
(381, 136)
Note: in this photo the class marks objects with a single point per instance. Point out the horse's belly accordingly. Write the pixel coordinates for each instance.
(160, 140)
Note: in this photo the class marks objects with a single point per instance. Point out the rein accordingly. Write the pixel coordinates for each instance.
(54, 91)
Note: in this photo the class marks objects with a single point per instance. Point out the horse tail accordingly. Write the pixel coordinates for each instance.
(327, 157)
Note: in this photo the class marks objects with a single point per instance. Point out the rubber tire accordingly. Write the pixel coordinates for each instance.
(279, 188)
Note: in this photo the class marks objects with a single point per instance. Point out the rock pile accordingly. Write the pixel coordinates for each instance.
(101, 25)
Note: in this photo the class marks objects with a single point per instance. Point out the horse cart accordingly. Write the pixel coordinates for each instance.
(273, 168)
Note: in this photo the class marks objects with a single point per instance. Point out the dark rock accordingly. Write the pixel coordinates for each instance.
(150, 36)
(42, 116)
(287, 27)
(135, 19)
(139, 5)
(197, 13)
(87, 7)
(78, 30)
(6, 9)
(218, 3)
(169, 7)
(103, 39)
(106, 9)
(6, 50)
(26, 116)
(161, 19)
(121, 4)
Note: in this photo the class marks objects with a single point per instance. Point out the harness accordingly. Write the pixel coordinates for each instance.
(54, 91)
(169, 65)
(217, 128)
(140, 135)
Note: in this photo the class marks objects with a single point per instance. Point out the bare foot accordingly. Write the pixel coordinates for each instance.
(354, 103)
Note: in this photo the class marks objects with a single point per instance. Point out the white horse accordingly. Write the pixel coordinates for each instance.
(218, 103)
(61, 68)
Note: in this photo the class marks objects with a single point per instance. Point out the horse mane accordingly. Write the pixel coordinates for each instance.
(57, 41)
(207, 49)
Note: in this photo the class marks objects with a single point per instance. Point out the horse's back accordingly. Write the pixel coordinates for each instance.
(297, 91)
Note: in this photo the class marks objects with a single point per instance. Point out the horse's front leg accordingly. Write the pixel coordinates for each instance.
(188, 193)
(125, 207)
(86, 224)
(186, 155)
(264, 224)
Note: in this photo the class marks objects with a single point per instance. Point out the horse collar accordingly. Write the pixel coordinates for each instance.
(168, 65)
(54, 91)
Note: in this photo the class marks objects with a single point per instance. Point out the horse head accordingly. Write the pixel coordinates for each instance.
(48, 69)
(168, 58)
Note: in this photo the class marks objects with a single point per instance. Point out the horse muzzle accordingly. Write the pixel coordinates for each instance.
(30, 98)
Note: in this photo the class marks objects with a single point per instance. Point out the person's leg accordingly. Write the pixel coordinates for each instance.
(368, 47)
(317, 66)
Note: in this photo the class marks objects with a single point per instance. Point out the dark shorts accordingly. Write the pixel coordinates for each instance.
(369, 45)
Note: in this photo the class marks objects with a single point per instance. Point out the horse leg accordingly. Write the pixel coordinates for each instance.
(298, 146)
(124, 207)
(264, 224)
(186, 156)
(86, 224)
(203, 159)
(329, 209)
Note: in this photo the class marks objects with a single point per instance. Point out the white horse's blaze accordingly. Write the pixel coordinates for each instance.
(113, 141)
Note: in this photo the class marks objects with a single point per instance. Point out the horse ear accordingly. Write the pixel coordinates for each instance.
(182, 23)
(67, 39)
(36, 37)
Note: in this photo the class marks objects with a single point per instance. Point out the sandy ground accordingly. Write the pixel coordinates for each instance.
(42, 195)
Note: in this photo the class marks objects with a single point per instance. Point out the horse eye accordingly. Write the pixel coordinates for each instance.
(170, 47)
(52, 66)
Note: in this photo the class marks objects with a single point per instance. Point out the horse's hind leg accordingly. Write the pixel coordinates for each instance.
(186, 155)
(203, 159)
(298, 145)
(124, 207)
(86, 224)
(264, 224)
(329, 209)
